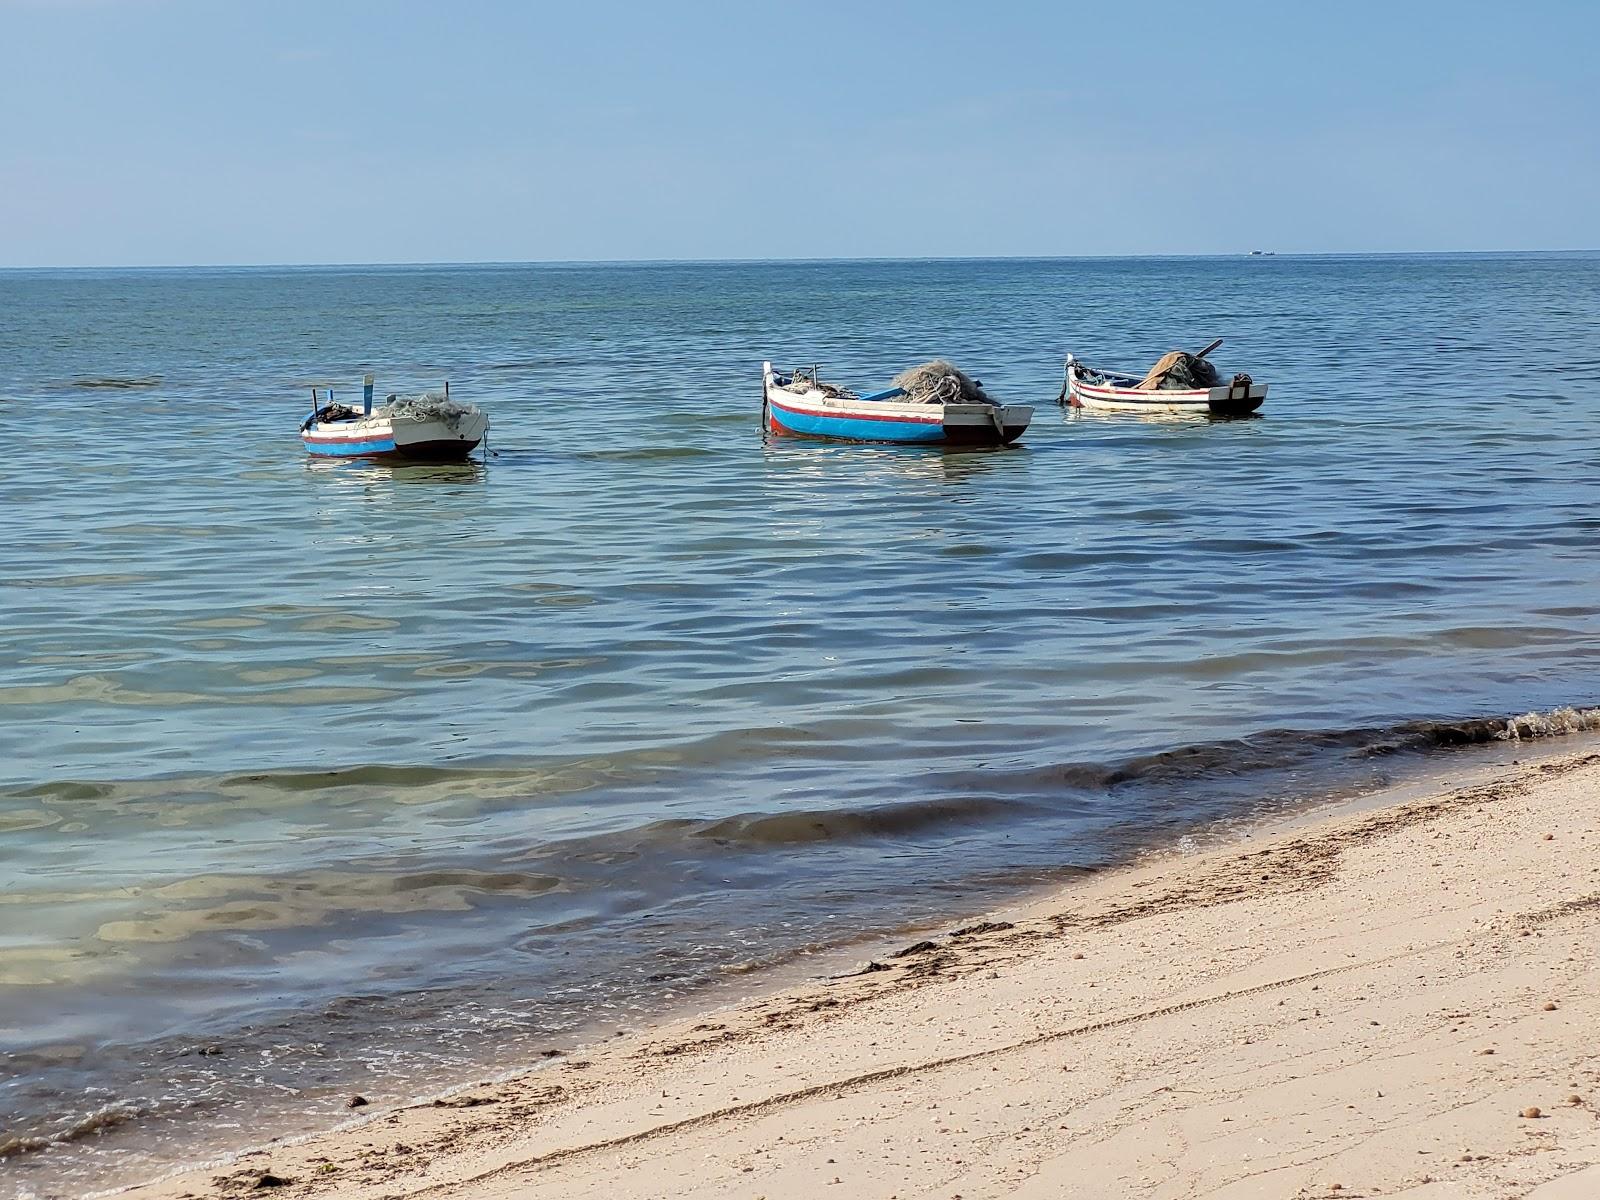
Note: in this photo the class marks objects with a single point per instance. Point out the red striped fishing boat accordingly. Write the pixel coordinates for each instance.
(1124, 391)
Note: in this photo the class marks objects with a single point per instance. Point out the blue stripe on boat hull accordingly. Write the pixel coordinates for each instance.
(447, 450)
(351, 449)
(857, 429)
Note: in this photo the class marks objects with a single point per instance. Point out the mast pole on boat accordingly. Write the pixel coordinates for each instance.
(366, 396)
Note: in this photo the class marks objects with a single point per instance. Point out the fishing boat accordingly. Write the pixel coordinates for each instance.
(427, 428)
(1179, 383)
(933, 404)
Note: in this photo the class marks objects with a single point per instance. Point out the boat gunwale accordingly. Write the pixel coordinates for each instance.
(854, 405)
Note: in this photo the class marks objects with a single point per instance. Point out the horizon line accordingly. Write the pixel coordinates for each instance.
(909, 258)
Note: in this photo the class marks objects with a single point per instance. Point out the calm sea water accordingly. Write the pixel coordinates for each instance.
(318, 778)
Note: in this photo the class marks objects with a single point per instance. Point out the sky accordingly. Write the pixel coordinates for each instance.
(185, 132)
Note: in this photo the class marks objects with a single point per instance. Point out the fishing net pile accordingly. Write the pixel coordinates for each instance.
(938, 382)
(429, 406)
(1180, 371)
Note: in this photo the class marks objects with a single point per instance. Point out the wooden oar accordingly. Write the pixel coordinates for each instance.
(1209, 348)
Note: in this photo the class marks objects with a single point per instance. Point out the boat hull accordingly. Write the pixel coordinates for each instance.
(815, 414)
(403, 439)
(1226, 400)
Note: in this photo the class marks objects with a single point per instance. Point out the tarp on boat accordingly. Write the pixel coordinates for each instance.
(1179, 370)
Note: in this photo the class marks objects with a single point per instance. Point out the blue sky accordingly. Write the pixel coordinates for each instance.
(213, 131)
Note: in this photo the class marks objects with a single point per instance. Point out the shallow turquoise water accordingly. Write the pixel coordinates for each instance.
(348, 771)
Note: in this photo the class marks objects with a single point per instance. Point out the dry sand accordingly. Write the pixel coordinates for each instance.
(1370, 1003)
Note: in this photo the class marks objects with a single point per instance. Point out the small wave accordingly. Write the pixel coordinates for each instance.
(878, 820)
(102, 1119)
(1555, 723)
(762, 831)
(368, 775)
(1282, 749)
(651, 453)
(117, 382)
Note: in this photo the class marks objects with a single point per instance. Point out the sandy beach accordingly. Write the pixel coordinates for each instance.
(1396, 1000)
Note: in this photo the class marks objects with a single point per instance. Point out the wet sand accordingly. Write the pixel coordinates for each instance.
(1402, 1000)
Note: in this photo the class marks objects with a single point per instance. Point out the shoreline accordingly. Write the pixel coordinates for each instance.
(112, 1147)
(1322, 910)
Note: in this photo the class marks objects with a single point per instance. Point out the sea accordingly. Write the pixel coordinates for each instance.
(324, 777)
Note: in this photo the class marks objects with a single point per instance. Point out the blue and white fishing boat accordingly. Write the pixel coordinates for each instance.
(933, 404)
(427, 428)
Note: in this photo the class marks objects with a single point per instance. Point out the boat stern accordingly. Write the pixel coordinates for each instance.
(1014, 420)
(985, 424)
(435, 439)
(1237, 399)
